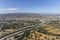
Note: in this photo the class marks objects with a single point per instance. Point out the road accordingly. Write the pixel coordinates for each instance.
(21, 31)
(17, 32)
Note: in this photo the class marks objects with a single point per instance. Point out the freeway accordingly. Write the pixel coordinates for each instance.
(22, 30)
(17, 32)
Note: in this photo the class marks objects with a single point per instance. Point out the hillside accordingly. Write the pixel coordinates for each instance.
(48, 32)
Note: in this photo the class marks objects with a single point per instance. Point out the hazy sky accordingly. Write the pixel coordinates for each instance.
(31, 6)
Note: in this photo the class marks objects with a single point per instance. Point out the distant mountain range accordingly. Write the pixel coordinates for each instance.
(30, 14)
(21, 15)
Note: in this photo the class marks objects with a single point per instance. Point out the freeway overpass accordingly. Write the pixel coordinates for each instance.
(16, 32)
(21, 31)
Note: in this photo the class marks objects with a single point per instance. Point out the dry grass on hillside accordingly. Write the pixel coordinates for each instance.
(49, 32)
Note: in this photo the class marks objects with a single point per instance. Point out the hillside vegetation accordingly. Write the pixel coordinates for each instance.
(48, 32)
